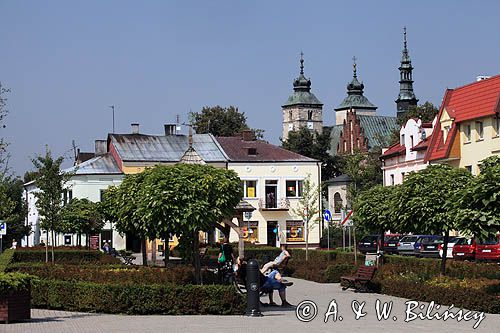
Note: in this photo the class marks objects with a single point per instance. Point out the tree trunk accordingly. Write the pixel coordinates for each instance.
(196, 257)
(153, 252)
(445, 250)
(166, 249)
(47, 246)
(307, 240)
(144, 252)
(241, 244)
(53, 239)
(79, 239)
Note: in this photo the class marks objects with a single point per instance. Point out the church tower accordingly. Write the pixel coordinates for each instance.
(406, 97)
(355, 100)
(302, 109)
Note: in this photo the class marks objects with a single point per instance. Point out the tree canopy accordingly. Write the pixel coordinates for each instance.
(3, 144)
(221, 121)
(426, 112)
(81, 216)
(316, 146)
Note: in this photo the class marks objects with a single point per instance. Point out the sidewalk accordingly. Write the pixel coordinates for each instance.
(275, 319)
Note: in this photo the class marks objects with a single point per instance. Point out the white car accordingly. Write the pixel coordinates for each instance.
(451, 244)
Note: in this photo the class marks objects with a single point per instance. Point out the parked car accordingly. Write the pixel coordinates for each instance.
(369, 243)
(488, 249)
(423, 239)
(451, 244)
(434, 248)
(406, 245)
(391, 244)
(465, 249)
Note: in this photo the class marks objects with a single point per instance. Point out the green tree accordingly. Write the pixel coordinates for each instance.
(479, 211)
(13, 210)
(426, 202)
(364, 171)
(308, 208)
(221, 121)
(50, 181)
(81, 216)
(315, 146)
(183, 199)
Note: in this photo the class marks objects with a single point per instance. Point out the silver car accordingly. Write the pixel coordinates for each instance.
(406, 245)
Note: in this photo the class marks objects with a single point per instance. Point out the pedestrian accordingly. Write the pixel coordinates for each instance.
(106, 247)
(278, 260)
(225, 258)
(14, 244)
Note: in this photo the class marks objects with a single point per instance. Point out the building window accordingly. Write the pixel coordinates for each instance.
(392, 179)
(251, 231)
(402, 139)
(345, 145)
(337, 202)
(446, 130)
(402, 176)
(469, 168)
(309, 115)
(467, 133)
(496, 126)
(411, 141)
(294, 231)
(249, 188)
(357, 143)
(290, 115)
(293, 188)
(479, 130)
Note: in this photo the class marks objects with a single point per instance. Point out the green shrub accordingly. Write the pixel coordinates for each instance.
(137, 299)
(10, 282)
(65, 256)
(334, 272)
(474, 295)
(5, 259)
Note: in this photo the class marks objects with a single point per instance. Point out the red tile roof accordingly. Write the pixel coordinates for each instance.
(475, 100)
(394, 150)
(422, 145)
(237, 150)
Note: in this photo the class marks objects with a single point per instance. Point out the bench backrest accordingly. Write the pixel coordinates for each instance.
(366, 272)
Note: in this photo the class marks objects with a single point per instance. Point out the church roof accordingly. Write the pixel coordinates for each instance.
(355, 98)
(302, 90)
(377, 129)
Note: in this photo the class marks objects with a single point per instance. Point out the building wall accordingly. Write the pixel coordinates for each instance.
(474, 149)
(280, 172)
(341, 189)
(295, 117)
(341, 115)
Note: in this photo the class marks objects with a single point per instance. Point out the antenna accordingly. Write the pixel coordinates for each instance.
(113, 110)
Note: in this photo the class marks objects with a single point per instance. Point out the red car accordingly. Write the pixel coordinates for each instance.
(464, 249)
(488, 249)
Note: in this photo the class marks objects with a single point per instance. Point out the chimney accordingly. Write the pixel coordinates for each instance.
(135, 128)
(170, 129)
(101, 147)
(247, 135)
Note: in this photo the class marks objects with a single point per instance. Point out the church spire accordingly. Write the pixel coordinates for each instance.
(406, 97)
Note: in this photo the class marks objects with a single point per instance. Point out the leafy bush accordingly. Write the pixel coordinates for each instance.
(10, 282)
(477, 295)
(65, 256)
(5, 259)
(137, 299)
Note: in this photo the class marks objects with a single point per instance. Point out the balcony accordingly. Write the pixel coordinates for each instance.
(273, 204)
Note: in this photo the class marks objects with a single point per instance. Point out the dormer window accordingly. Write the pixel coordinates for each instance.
(252, 151)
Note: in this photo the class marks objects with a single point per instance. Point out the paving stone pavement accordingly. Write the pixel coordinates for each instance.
(275, 319)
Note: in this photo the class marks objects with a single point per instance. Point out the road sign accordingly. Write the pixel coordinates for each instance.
(248, 215)
(327, 215)
(347, 218)
(3, 228)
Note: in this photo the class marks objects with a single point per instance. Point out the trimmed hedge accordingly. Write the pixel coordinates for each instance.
(10, 282)
(477, 295)
(137, 299)
(65, 256)
(112, 273)
(5, 259)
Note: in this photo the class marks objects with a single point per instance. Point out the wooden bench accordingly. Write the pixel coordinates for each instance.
(359, 281)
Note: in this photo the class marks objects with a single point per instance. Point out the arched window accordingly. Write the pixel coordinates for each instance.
(337, 202)
(290, 115)
(309, 115)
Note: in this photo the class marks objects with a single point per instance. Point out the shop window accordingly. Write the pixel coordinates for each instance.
(294, 231)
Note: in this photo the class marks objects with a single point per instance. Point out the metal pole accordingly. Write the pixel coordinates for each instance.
(349, 238)
(253, 289)
(328, 233)
(343, 238)
(1, 244)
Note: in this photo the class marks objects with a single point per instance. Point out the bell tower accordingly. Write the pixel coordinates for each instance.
(302, 109)
(406, 97)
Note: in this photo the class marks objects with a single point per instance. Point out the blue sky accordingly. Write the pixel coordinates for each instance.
(67, 61)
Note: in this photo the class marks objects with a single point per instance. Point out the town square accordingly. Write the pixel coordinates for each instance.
(187, 166)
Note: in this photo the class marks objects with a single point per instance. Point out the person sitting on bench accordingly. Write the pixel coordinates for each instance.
(278, 260)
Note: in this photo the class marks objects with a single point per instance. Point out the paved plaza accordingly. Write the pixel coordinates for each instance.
(275, 319)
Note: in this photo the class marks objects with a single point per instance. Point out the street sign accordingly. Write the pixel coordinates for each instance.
(327, 215)
(248, 215)
(346, 218)
(3, 228)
